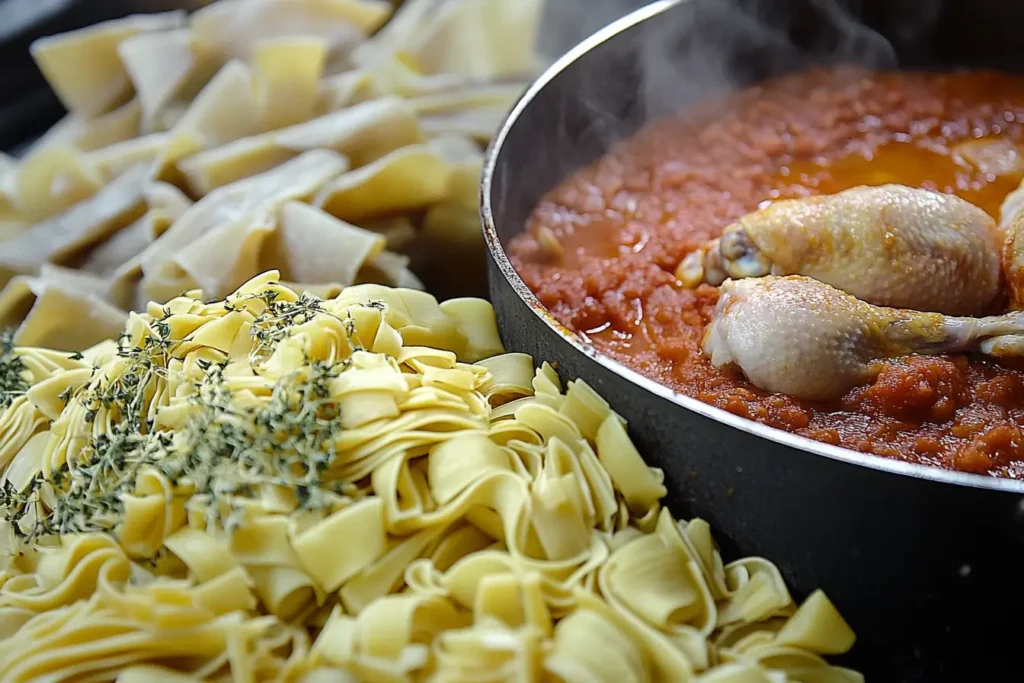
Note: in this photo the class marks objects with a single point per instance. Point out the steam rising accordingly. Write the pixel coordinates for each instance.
(703, 47)
(568, 22)
(691, 52)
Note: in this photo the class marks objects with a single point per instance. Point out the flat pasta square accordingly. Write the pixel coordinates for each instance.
(84, 68)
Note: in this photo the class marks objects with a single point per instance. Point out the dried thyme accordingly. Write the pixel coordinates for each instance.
(287, 442)
(224, 452)
(272, 325)
(12, 369)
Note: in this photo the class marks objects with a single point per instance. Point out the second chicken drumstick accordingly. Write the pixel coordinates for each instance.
(795, 335)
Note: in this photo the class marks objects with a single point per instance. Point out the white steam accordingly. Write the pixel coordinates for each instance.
(704, 47)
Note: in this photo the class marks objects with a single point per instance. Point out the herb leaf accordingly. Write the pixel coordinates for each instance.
(12, 369)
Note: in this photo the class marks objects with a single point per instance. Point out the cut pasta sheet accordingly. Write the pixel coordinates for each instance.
(60, 309)
(51, 180)
(501, 96)
(307, 243)
(409, 179)
(157, 65)
(117, 125)
(478, 123)
(110, 162)
(391, 269)
(288, 72)
(275, 486)
(83, 66)
(392, 73)
(344, 89)
(363, 133)
(164, 67)
(84, 224)
(119, 259)
(234, 26)
(216, 243)
(439, 36)
(223, 111)
(207, 170)
(240, 90)
(475, 112)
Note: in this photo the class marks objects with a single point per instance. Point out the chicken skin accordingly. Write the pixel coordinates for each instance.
(796, 335)
(888, 245)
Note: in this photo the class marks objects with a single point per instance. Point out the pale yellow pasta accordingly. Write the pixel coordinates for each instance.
(393, 73)
(159, 65)
(111, 161)
(407, 179)
(60, 309)
(21, 422)
(51, 179)
(390, 269)
(363, 132)
(117, 125)
(471, 97)
(341, 90)
(287, 79)
(83, 66)
(224, 110)
(429, 533)
(233, 26)
(209, 169)
(312, 246)
(403, 25)
(478, 123)
(337, 479)
(8, 178)
(215, 243)
(476, 39)
(116, 256)
(86, 223)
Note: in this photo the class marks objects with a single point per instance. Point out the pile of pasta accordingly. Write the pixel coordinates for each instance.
(275, 486)
(326, 139)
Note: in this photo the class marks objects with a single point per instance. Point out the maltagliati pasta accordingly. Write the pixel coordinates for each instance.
(339, 142)
(275, 486)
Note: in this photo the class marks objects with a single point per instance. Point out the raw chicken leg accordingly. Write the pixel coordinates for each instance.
(889, 245)
(796, 335)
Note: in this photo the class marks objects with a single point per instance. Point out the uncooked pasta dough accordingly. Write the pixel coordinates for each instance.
(278, 487)
(339, 479)
(192, 140)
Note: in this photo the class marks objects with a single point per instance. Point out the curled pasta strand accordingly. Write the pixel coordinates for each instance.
(361, 488)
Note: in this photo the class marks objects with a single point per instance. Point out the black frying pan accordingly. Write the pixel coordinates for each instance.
(922, 562)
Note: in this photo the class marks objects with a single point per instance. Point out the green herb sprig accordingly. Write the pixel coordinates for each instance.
(225, 452)
(12, 369)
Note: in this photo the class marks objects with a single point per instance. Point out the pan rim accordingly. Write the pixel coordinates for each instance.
(526, 295)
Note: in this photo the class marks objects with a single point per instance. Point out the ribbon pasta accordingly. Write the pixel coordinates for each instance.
(273, 486)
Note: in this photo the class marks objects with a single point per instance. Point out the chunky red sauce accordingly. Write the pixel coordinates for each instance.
(621, 227)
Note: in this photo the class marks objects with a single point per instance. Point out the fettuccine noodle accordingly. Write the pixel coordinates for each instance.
(274, 486)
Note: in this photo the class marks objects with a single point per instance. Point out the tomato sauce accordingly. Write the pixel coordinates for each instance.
(601, 248)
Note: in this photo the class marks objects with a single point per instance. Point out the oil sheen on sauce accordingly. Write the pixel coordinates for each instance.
(623, 224)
